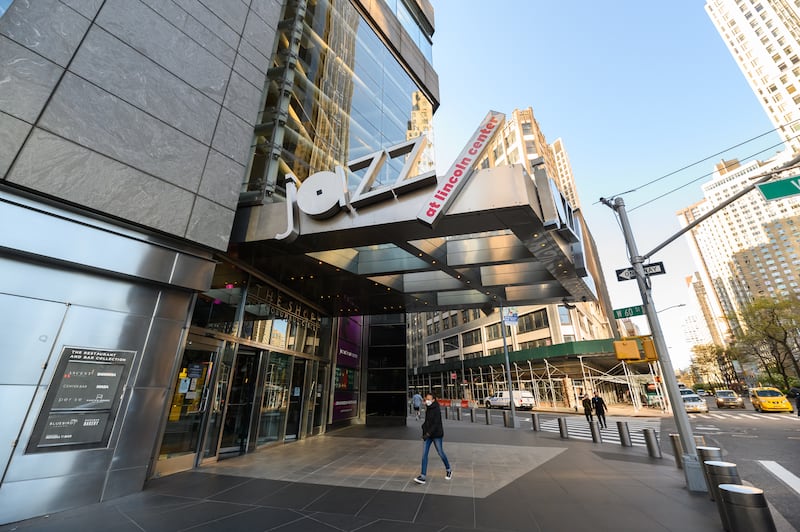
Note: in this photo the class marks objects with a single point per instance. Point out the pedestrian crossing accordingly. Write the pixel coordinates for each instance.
(579, 429)
(745, 415)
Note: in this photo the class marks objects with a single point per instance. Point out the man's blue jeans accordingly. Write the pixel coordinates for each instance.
(439, 449)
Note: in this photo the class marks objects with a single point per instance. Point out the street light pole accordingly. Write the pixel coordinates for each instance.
(694, 475)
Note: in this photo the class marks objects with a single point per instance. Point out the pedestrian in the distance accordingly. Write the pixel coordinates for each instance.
(797, 403)
(416, 403)
(432, 433)
(587, 407)
(599, 409)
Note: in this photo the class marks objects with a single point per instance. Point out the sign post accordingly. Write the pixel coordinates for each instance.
(509, 315)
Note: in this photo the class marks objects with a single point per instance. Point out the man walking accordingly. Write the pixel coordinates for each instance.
(432, 433)
(587, 407)
(599, 409)
(416, 403)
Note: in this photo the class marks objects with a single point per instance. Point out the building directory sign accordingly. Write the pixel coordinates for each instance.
(81, 402)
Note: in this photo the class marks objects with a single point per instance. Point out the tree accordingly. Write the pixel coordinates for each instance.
(770, 333)
(705, 364)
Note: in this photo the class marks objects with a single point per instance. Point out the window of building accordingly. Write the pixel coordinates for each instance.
(494, 332)
(563, 315)
(451, 343)
(471, 338)
(532, 321)
(535, 343)
(433, 349)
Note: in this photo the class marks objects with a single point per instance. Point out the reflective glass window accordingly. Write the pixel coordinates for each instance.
(346, 98)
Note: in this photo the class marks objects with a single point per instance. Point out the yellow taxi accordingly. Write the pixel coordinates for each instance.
(768, 399)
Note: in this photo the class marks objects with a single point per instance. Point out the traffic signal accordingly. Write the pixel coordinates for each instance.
(650, 354)
(627, 350)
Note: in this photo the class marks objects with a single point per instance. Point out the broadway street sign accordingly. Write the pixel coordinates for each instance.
(626, 274)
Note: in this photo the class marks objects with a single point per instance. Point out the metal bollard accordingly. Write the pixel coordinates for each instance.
(597, 436)
(472, 415)
(699, 440)
(677, 449)
(746, 508)
(721, 473)
(535, 423)
(704, 454)
(508, 419)
(562, 428)
(458, 413)
(488, 416)
(624, 434)
(651, 440)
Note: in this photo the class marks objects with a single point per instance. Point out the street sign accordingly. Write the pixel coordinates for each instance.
(636, 310)
(626, 274)
(510, 315)
(782, 188)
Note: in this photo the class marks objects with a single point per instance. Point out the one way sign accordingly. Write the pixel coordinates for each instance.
(626, 274)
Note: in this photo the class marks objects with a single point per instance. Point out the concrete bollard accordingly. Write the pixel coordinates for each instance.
(704, 454)
(597, 436)
(677, 449)
(746, 508)
(458, 413)
(624, 434)
(651, 440)
(488, 416)
(721, 473)
(535, 422)
(472, 415)
(562, 428)
(508, 419)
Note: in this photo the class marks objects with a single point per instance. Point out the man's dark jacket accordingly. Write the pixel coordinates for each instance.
(432, 427)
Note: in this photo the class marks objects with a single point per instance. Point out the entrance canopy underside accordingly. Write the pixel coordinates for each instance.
(502, 242)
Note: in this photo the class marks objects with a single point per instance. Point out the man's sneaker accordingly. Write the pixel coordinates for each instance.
(448, 475)
(420, 480)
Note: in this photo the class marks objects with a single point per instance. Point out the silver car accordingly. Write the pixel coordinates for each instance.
(729, 399)
(695, 403)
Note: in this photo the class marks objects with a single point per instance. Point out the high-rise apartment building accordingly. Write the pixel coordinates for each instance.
(764, 38)
(744, 251)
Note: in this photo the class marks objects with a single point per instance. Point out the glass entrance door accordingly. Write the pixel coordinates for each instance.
(236, 427)
(181, 442)
(296, 396)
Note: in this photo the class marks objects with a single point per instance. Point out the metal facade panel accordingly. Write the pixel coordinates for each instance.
(24, 334)
(24, 499)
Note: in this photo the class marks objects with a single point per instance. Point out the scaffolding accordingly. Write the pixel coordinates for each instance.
(556, 382)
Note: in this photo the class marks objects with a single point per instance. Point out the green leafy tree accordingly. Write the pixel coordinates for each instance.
(769, 334)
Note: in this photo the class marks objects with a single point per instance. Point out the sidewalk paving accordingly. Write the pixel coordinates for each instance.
(361, 478)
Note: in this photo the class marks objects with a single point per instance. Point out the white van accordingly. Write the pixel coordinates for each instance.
(523, 399)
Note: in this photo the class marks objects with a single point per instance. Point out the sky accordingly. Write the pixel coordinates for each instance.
(636, 90)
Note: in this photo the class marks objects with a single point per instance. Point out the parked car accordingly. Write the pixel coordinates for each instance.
(523, 399)
(729, 399)
(768, 399)
(694, 403)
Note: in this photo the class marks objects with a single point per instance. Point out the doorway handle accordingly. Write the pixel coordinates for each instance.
(204, 402)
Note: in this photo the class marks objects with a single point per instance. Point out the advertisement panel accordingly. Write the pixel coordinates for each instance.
(348, 363)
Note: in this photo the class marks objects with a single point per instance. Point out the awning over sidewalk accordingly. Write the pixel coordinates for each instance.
(507, 239)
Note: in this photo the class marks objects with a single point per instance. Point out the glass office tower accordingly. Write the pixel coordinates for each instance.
(133, 136)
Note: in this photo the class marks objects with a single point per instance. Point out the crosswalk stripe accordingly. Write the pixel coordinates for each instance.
(579, 429)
